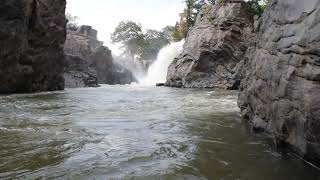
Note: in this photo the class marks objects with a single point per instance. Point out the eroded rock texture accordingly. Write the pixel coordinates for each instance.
(89, 63)
(32, 35)
(213, 48)
(281, 91)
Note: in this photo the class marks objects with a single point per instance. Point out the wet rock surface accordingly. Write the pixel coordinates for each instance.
(90, 63)
(32, 35)
(213, 48)
(281, 90)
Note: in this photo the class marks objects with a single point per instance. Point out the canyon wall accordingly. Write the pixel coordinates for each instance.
(89, 63)
(32, 35)
(280, 93)
(214, 48)
(273, 60)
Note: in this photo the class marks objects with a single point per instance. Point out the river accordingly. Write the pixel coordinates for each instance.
(135, 132)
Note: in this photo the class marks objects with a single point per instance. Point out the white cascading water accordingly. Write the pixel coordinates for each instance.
(157, 72)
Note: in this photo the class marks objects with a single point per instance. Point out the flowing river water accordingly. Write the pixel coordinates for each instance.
(135, 132)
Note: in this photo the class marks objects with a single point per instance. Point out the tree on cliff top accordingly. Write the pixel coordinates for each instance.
(154, 41)
(189, 15)
(137, 44)
(130, 35)
(193, 7)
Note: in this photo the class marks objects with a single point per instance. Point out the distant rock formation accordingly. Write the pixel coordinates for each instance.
(281, 90)
(32, 35)
(214, 48)
(89, 63)
(78, 73)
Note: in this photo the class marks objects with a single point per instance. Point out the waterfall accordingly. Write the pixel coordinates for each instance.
(157, 72)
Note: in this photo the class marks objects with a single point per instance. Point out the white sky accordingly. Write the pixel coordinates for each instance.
(104, 15)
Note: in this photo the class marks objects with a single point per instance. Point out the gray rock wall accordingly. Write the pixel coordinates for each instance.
(32, 35)
(97, 67)
(78, 73)
(281, 91)
(213, 48)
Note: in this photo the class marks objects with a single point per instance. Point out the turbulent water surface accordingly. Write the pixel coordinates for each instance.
(134, 132)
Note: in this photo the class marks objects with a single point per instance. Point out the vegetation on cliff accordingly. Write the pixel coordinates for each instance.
(193, 7)
(136, 43)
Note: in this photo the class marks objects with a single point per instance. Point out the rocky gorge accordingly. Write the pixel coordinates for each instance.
(267, 66)
(214, 48)
(272, 60)
(39, 53)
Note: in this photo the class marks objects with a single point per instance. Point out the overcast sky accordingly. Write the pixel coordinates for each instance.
(104, 15)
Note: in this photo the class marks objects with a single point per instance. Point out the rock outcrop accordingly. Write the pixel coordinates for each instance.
(32, 35)
(89, 63)
(281, 92)
(78, 73)
(213, 48)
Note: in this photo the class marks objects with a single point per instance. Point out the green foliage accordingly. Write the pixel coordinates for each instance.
(258, 6)
(264, 4)
(136, 43)
(193, 7)
(188, 17)
(177, 34)
(168, 32)
(154, 41)
(130, 35)
(180, 31)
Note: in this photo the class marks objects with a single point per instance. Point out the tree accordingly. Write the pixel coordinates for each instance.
(137, 44)
(72, 22)
(188, 17)
(176, 35)
(154, 41)
(168, 33)
(130, 35)
(193, 8)
(264, 4)
(258, 6)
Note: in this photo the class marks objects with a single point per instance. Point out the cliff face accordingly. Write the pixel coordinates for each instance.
(32, 35)
(281, 91)
(78, 73)
(89, 62)
(213, 48)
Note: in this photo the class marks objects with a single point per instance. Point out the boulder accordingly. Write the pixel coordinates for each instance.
(214, 47)
(32, 35)
(280, 94)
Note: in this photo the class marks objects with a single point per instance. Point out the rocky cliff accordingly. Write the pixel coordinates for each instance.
(281, 91)
(213, 48)
(32, 35)
(88, 62)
